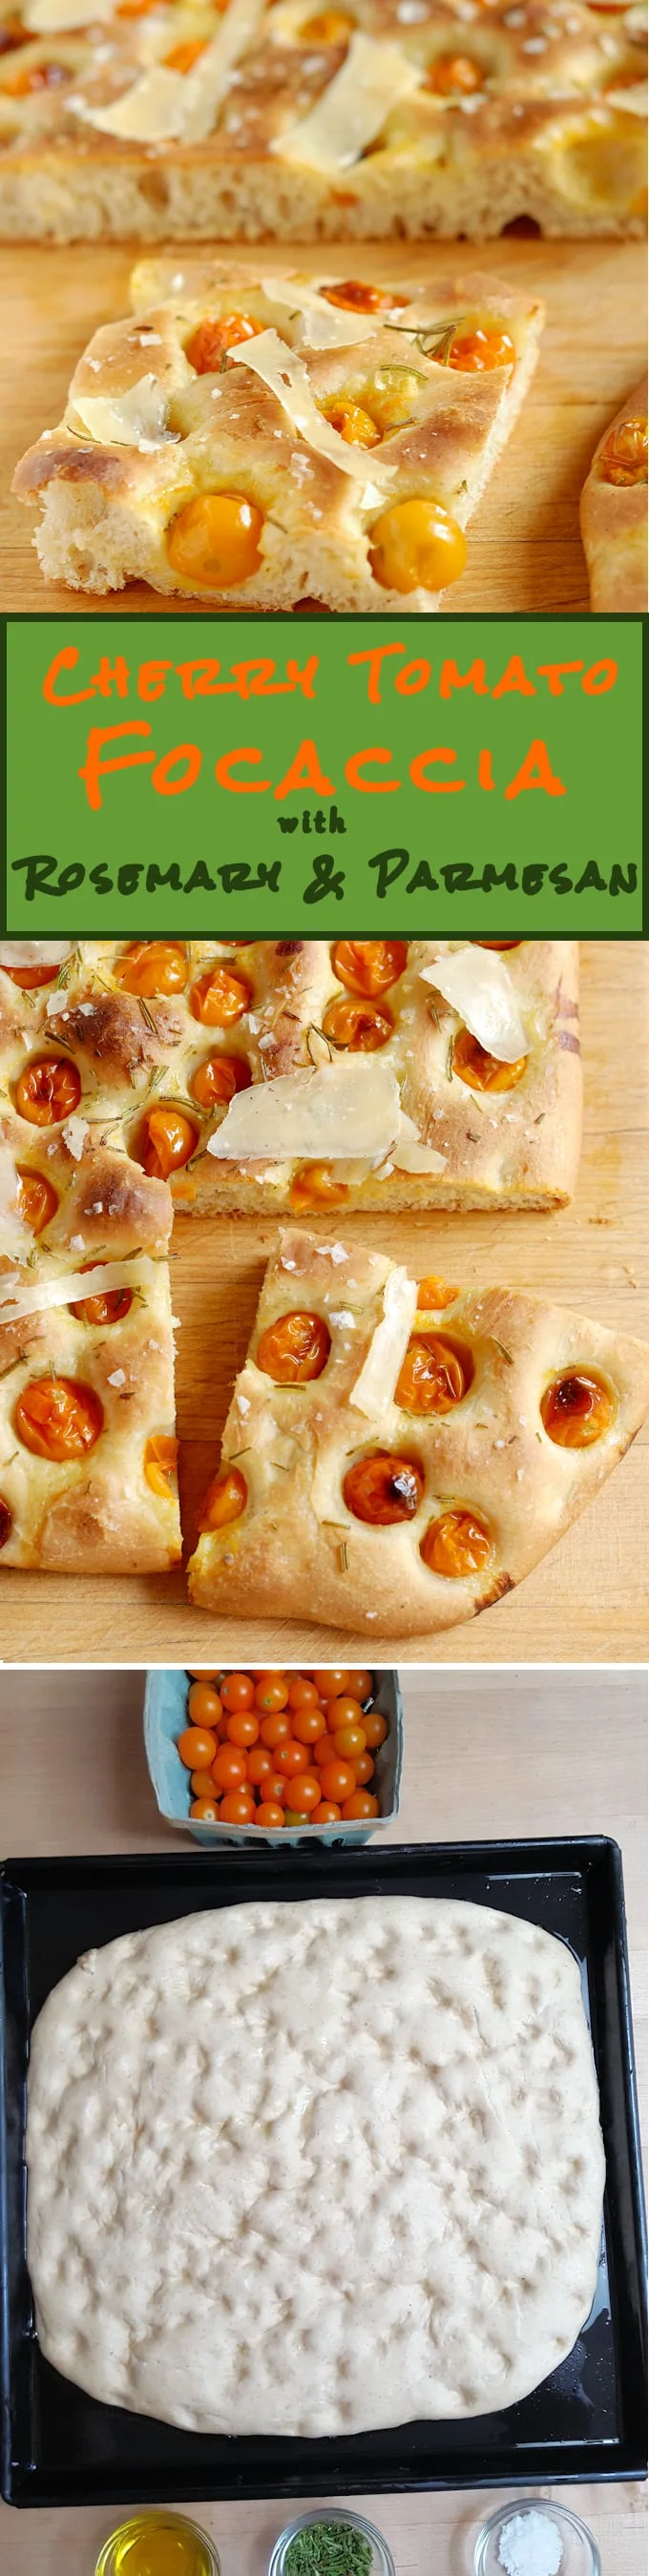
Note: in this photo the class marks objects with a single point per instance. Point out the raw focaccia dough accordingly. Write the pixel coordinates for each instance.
(400, 2092)
(144, 436)
(535, 111)
(511, 1148)
(613, 519)
(296, 1550)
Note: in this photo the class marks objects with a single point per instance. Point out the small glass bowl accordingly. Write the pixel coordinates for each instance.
(207, 2556)
(580, 2555)
(382, 2559)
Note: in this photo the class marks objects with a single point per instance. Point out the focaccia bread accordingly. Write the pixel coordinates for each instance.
(87, 1445)
(613, 511)
(404, 1453)
(298, 1075)
(257, 442)
(364, 121)
(363, 2188)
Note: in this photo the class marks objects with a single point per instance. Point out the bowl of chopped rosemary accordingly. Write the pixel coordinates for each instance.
(326, 2543)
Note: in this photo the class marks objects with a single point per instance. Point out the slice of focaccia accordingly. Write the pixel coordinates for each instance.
(400, 1452)
(383, 117)
(87, 1446)
(290, 1075)
(267, 441)
(613, 511)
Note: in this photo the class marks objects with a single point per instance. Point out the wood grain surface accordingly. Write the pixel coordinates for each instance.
(505, 1754)
(587, 1602)
(524, 550)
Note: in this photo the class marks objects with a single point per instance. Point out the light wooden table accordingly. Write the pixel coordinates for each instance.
(505, 1753)
(524, 549)
(587, 1602)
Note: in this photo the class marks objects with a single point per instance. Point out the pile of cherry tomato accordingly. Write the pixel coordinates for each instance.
(281, 1748)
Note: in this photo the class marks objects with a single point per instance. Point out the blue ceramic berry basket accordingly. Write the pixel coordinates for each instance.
(165, 1715)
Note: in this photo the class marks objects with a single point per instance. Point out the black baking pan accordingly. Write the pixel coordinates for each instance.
(586, 2421)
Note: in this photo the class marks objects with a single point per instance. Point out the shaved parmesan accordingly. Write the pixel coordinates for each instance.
(16, 1300)
(321, 325)
(353, 108)
(374, 1390)
(410, 1154)
(350, 1107)
(16, 1238)
(74, 1132)
(133, 419)
(478, 984)
(34, 952)
(52, 17)
(633, 100)
(286, 375)
(166, 106)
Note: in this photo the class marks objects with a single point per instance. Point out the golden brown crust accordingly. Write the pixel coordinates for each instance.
(613, 521)
(298, 1550)
(98, 1514)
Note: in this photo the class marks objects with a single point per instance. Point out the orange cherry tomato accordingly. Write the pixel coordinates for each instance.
(623, 458)
(37, 1201)
(57, 1417)
(307, 1722)
(271, 1693)
(169, 1140)
(383, 1488)
(183, 57)
(30, 978)
(337, 1780)
(269, 1816)
(375, 1728)
(305, 1794)
(197, 1748)
(357, 298)
(207, 1673)
(473, 352)
(349, 1741)
(331, 1682)
(454, 76)
(150, 966)
(220, 997)
(237, 1807)
(205, 1810)
(237, 1691)
(210, 342)
(434, 1294)
(482, 1071)
(259, 1765)
(456, 1545)
(291, 1758)
(275, 1787)
(576, 1409)
(433, 1376)
(225, 1499)
(363, 1768)
(323, 1750)
(360, 1805)
(302, 1693)
(215, 1081)
(369, 965)
(110, 1308)
(204, 1704)
(295, 1349)
(327, 1813)
(359, 1685)
(361, 1026)
(229, 1768)
(201, 1784)
(328, 27)
(315, 1185)
(213, 543)
(345, 1711)
(160, 1460)
(48, 1091)
(276, 1728)
(243, 1727)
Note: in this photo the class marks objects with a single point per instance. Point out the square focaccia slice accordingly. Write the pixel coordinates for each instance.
(267, 442)
(246, 122)
(404, 1452)
(87, 1441)
(305, 1075)
(613, 511)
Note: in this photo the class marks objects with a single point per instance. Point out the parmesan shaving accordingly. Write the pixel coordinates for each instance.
(74, 1133)
(633, 100)
(479, 986)
(16, 1300)
(15, 1237)
(53, 17)
(374, 1390)
(410, 1154)
(34, 952)
(353, 108)
(348, 1108)
(321, 325)
(148, 112)
(164, 106)
(286, 375)
(133, 419)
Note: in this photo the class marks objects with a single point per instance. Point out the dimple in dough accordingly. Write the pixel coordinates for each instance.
(311, 2168)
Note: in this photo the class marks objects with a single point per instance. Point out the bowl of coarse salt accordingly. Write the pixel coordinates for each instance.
(530, 2537)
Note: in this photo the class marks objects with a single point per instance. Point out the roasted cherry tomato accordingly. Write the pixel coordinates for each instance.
(220, 997)
(215, 1081)
(209, 344)
(30, 978)
(48, 1091)
(169, 1139)
(225, 1499)
(369, 965)
(295, 1349)
(315, 1185)
(454, 76)
(150, 966)
(416, 545)
(36, 1199)
(434, 1294)
(357, 298)
(361, 1026)
(353, 424)
(213, 543)
(328, 27)
(482, 1071)
(456, 1545)
(623, 458)
(58, 1418)
(110, 1308)
(433, 1376)
(383, 1488)
(475, 352)
(160, 1459)
(577, 1408)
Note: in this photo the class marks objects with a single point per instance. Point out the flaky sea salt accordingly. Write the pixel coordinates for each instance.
(530, 2545)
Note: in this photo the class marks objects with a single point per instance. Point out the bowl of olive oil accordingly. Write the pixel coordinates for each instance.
(158, 2544)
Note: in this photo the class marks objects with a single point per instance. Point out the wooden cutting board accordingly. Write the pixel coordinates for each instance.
(525, 551)
(588, 1601)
